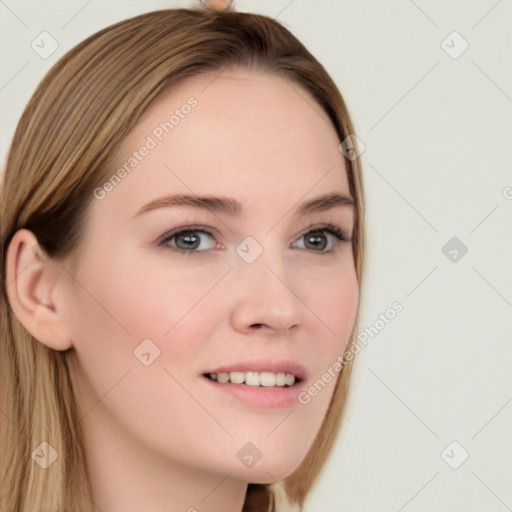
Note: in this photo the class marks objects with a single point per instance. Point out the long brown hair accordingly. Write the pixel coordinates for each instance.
(64, 147)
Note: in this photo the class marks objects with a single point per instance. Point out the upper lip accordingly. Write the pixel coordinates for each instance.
(261, 365)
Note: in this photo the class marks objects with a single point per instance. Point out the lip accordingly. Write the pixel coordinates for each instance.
(261, 365)
(261, 396)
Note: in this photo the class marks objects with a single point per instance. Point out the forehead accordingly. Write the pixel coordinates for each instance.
(243, 134)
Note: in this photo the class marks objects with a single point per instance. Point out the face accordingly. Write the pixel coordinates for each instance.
(165, 294)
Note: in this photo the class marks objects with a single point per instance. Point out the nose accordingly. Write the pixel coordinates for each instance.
(264, 299)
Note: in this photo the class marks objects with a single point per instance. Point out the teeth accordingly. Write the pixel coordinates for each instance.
(222, 378)
(265, 379)
(237, 377)
(268, 379)
(289, 379)
(252, 378)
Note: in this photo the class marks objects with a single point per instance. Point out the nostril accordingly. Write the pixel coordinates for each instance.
(256, 325)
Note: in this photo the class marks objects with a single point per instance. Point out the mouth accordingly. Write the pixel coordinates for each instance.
(267, 383)
(264, 385)
(255, 379)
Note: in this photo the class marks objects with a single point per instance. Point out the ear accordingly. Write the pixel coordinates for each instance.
(32, 280)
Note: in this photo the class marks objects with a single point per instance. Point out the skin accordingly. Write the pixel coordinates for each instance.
(160, 438)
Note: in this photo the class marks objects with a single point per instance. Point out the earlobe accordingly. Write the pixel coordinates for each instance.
(32, 288)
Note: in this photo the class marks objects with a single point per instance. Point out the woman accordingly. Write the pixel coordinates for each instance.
(182, 255)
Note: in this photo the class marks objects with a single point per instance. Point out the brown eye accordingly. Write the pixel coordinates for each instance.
(316, 240)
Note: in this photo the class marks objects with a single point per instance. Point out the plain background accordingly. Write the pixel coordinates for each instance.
(437, 165)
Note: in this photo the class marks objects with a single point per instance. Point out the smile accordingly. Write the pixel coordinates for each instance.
(251, 378)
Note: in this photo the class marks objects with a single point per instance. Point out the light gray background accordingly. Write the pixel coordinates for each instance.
(437, 165)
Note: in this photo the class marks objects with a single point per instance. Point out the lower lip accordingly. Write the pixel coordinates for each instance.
(260, 396)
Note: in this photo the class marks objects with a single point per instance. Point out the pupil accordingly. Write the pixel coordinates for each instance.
(189, 240)
(317, 239)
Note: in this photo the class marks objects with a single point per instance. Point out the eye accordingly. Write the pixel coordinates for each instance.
(190, 240)
(317, 240)
(186, 241)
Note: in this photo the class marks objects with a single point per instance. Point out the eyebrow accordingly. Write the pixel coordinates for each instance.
(233, 208)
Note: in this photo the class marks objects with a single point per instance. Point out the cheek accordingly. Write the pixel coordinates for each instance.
(174, 305)
(124, 305)
(331, 299)
(340, 304)
(179, 304)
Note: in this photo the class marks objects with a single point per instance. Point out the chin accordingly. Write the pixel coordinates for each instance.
(267, 472)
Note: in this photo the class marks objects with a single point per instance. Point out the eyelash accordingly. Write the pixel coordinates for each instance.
(328, 228)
